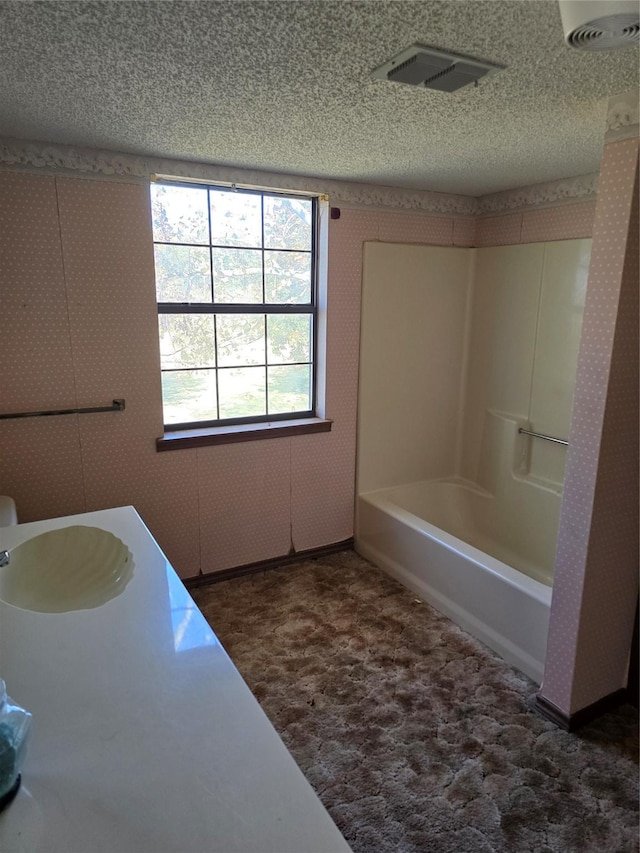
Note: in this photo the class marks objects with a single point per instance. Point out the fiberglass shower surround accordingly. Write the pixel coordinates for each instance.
(453, 499)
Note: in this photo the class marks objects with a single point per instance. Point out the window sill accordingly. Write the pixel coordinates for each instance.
(183, 439)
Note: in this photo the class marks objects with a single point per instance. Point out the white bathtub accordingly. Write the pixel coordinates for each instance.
(485, 566)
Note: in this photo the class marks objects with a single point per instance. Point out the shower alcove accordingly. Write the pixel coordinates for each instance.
(460, 349)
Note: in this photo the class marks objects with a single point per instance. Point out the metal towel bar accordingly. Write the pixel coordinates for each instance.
(545, 437)
(116, 406)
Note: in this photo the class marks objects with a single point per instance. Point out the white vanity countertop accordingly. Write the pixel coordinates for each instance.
(144, 736)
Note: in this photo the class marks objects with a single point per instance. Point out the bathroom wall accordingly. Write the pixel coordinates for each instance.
(460, 347)
(563, 289)
(414, 315)
(501, 350)
(79, 328)
(565, 222)
(525, 330)
(596, 590)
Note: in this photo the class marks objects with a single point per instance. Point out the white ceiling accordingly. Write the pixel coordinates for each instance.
(284, 86)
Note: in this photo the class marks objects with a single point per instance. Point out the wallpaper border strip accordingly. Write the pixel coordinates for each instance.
(37, 155)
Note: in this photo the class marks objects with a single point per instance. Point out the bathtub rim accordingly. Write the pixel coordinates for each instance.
(382, 499)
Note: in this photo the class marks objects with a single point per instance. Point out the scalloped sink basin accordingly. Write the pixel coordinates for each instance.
(73, 568)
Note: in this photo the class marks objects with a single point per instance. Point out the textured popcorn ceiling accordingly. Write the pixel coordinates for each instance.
(283, 85)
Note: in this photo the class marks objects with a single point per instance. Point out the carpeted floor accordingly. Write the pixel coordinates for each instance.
(414, 735)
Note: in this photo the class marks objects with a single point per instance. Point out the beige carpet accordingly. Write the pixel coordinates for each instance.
(413, 734)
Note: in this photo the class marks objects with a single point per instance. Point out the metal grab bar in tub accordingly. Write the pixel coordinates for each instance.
(542, 435)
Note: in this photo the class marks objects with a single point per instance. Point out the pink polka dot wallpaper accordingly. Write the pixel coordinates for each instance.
(596, 575)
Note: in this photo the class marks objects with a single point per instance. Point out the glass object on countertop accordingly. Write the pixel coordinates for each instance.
(14, 728)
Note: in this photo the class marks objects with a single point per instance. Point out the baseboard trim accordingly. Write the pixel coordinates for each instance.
(271, 563)
(572, 722)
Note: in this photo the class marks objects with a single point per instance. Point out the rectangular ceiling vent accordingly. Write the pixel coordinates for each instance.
(429, 68)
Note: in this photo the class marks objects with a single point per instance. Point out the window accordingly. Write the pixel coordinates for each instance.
(237, 306)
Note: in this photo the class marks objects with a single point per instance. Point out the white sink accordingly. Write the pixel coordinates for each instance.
(73, 568)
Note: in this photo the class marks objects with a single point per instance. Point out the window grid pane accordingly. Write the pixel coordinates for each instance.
(183, 273)
(259, 364)
(187, 341)
(237, 275)
(288, 387)
(189, 395)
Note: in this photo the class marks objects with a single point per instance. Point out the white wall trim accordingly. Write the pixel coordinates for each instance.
(20, 154)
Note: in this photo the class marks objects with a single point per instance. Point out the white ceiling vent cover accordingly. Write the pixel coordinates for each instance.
(430, 68)
(600, 24)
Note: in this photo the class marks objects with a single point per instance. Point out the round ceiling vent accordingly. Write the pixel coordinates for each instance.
(600, 24)
(606, 34)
